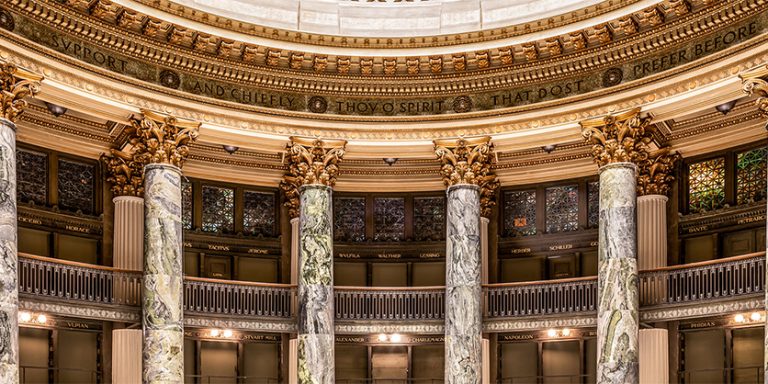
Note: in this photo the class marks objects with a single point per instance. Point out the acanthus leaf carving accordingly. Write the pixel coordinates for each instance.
(311, 161)
(162, 139)
(468, 161)
(619, 138)
(15, 86)
(754, 84)
(655, 174)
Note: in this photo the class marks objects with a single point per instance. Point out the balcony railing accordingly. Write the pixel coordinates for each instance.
(424, 303)
(717, 279)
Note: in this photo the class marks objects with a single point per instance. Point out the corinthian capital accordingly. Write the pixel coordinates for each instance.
(655, 174)
(468, 161)
(124, 172)
(754, 84)
(15, 85)
(618, 138)
(162, 139)
(311, 161)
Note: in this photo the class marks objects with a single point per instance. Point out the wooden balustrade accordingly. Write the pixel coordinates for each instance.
(711, 280)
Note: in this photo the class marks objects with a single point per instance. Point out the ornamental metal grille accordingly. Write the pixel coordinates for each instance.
(31, 177)
(750, 175)
(76, 186)
(706, 185)
(349, 218)
(259, 213)
(218, 209)
(389, 218)
(562, 208)
(519, 213)
(428, 218)
(593, 204)
(186, 204)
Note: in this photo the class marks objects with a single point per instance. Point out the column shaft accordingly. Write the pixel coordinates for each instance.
(316, 315)
(484, 249)
(651, 231)
(128, 242)
(126, 356)
(654, 356)
(463, 318)
(9, 284)
(294, 250)
(163, 280)
(618, 302)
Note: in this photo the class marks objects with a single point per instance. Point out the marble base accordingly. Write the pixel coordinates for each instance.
(163, 354)
(9, 283)
(463, 296)
(316, 334)
(618, 300)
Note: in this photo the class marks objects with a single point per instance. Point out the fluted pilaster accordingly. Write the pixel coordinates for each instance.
(126, 356)
(654, 356)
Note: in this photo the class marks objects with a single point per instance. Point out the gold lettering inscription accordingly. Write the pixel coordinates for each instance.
(560, 247)
(257, 251)
(389, 255)
(74, 228)
(520, 250)
(348, 255)
(30, 221)
(215, 247)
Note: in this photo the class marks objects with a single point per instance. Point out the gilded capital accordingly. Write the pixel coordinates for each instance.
(311, 161)
(655, 174)
(468, 161)
(618, 138)
(162, 139)
(754, 84)
(124, 172)
(15, 85)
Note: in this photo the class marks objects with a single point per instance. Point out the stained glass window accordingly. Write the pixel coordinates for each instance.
(750, 175)
(349, 218)
(218, 209)
(76, 186)
(520, 213)
(32, 177)
(259, 213)
(428, 218)
(186, 204)
(562, 208)
(593, 203)
(706, 185)
(389, 218)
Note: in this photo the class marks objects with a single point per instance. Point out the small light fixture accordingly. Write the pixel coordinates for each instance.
(25, 317)
(231, 149)
(726, 107)
(755, 316)
(565, 332)
(56, 110)
(215, 332)
(390, 161)
(396, 338)
(552, 333)
(549, 148)
(42, 319)
(739, 318)
(382, 337)
(227, 333)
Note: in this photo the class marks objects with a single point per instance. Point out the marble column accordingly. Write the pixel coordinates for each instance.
(618, 301)
(128, 243)
(654, 356)
(126, 356)
(163, 280)
(316, 315)
(651, 231)
(463, 297)
(9, 284)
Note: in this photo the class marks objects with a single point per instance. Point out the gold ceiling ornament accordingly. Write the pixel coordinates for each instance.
(655, 174)
(124, 172)
(618, 138)
(754, 84)
(312, 161)
(160, 138)
(15, 85)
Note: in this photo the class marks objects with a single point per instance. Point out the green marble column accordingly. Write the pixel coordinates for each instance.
(163, 281)
(316, 333)
(9, 283)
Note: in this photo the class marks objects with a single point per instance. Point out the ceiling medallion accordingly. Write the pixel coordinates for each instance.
(612, 77)
(6, 20)
(462, 104)
(170, 79)
(317, 104)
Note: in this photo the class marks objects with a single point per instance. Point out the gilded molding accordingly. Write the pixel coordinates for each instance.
(311, 161)
(754, 84)
(618, 138)
(15, 85)
(468, 161)
(125, 172)
(655, 174)
(162, 139)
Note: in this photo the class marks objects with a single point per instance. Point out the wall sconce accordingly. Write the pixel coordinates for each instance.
(753, 317)
(726, 107)
(231, 149)
(565, 332)
(549, 148)
(55, 110)
(227, 333)
(390, 161)
(30, 318)
(393, 338)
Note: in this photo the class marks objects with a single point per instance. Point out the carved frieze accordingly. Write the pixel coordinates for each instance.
(619, 138)
(311, 161)
(162, 139)
(15, 85)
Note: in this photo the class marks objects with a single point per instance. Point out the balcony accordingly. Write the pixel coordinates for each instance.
(713, 282)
